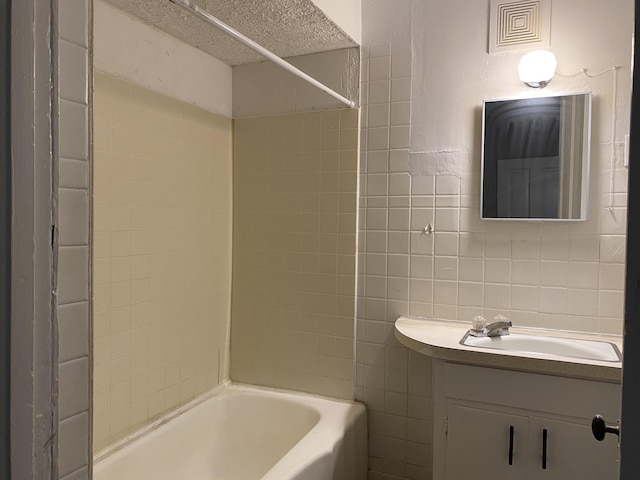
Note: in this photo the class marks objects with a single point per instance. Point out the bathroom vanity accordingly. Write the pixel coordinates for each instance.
(501, 414)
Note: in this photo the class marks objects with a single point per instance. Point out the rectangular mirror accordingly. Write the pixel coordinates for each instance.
(535, 158)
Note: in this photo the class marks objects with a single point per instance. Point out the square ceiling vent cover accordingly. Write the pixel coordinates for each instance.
(519, 25)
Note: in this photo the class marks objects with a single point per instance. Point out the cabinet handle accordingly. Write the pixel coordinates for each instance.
(600, 428)
(544, 449)
(511, 431)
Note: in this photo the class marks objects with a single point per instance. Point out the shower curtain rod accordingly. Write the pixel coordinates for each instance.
(207, 17)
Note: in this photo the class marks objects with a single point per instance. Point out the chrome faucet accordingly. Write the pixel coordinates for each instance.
(498, 328)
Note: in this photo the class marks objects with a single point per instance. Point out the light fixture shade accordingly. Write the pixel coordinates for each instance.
(537, 68)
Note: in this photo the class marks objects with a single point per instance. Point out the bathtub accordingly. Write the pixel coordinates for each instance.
(245, 433)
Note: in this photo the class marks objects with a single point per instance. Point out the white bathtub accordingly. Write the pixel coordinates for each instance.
(246, 433)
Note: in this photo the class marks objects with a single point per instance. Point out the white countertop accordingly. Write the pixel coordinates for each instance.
(441, 339)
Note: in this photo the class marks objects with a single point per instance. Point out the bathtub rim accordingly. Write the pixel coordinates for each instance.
(213, 392)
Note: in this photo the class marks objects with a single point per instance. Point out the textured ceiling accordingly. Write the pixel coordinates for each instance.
(286, 27)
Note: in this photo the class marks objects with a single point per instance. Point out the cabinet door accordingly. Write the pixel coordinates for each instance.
(571, 451)
(486, 445)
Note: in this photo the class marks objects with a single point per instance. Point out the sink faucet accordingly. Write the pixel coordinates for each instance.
(498, 328)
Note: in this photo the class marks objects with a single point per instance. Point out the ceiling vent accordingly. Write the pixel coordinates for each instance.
(519, 25)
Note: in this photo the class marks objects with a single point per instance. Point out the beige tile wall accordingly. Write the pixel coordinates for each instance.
(295, 184)
(162, 255)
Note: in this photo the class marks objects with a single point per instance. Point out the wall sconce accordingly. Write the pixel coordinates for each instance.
(537, 68)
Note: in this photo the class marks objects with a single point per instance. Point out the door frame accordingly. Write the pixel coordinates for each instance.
(630, 416)
(5, 234)
(33, 397)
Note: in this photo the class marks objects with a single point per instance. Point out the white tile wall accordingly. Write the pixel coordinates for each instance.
(74, 240)
(74, 445)
(559, 276)
(398, 273)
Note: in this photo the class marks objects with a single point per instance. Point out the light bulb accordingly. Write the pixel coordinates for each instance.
(537, 68)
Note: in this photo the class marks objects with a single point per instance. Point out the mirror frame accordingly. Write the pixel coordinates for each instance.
(586, 159)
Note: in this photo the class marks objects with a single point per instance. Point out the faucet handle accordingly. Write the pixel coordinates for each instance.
(500, 318)
(478, 323)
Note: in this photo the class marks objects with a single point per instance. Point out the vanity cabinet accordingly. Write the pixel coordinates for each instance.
(495, 443)
(500, 424)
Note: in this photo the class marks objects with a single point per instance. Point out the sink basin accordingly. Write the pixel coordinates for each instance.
(557, 346)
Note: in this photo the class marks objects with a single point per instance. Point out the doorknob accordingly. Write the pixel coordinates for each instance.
(600, 428)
